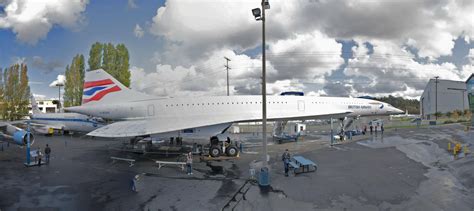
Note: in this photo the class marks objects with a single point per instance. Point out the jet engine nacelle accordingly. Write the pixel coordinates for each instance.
(16, 135)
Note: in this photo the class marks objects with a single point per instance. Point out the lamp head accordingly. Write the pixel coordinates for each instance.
(266, 5)
(257, 13)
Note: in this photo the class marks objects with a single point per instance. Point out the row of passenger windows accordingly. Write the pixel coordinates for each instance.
(228, 103)
(242, 103)
(346, 103)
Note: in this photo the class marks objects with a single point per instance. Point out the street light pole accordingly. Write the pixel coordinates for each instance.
(259, 15)
(59, 96)
(264, 90)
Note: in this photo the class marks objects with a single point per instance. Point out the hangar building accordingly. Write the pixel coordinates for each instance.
(451, 95)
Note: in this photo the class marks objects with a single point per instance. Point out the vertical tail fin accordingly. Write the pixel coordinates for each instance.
(34, 106)
(101, 88)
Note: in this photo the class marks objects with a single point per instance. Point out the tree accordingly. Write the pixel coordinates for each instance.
(466, 113)
(122, 64)
(23, 94)
(16, 92)
(438, 114)
(456, 114)
(74, 81)
(413, 106)
(449, 114)
(95, 56)
(2, 100)
(113, 59)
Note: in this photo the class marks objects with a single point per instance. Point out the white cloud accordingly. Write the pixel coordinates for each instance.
(31, 20)
(302, 47)
(138, 31)
(317, 93)
(305, 56)
(208, 77)
(194, 27)
(60, 81)
(39, 96)
(45, 66)
(392, 70)
(470, 55)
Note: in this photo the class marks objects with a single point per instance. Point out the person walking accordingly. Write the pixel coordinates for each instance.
(381, 128)
(47, 152)
(286, 161)
(189, 163)
(40, 155)
(371, 129)
(133, 183)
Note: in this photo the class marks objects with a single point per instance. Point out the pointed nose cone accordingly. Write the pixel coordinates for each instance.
(398, 111)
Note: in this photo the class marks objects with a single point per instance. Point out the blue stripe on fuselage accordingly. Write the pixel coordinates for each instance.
(93, 90)
(64, 120)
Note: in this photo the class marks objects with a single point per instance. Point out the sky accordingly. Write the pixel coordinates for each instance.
(177, 47)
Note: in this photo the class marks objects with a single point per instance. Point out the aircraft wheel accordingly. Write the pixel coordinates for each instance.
(215, 151)
(232, 151)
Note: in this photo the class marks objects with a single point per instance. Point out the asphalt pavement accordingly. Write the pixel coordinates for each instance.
(404, 169)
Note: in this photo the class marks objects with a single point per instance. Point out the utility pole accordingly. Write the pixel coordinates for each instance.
(227, 68)
(436, 97)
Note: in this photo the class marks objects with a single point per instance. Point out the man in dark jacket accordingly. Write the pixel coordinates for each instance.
(47, 152)
(286, 161)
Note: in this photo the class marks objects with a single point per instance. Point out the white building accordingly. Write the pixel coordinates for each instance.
(443, 96)
(46, 106)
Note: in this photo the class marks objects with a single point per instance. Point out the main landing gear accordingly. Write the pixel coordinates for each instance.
(219, 148)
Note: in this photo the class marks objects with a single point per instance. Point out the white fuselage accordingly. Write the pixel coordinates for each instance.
(66, 121)
(277, 106)
(238, 108)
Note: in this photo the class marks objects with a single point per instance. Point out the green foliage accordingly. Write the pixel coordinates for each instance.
(413, 106)
(467, 113)
(455, 115)
(438, 114)
(113, 59)
(458, 112)
(95, 56)
(74, 82)
(449, 114)
(15, 92)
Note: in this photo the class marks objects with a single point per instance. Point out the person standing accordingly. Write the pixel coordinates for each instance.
(133, 183)
(189, 163)
(381, 128)
(40, 155)
(286, 161)
(47, 152)
(371, 129)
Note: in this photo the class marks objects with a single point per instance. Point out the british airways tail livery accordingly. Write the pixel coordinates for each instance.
(140, 114)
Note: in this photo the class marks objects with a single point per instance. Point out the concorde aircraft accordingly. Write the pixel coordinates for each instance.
(138, 114)
(43, 122)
